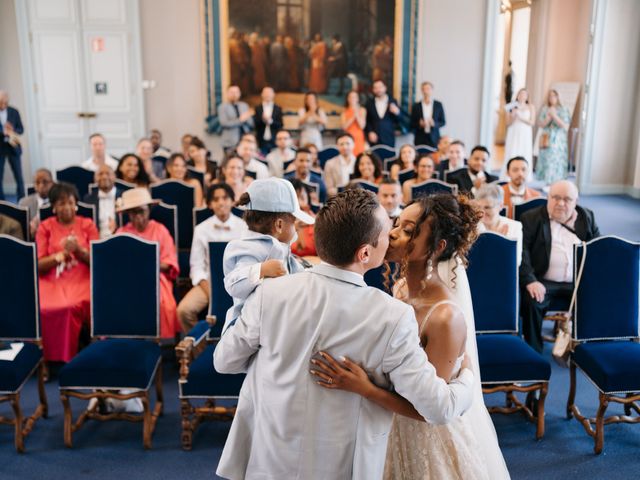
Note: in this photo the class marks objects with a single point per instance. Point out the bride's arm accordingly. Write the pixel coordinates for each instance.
(350, 377)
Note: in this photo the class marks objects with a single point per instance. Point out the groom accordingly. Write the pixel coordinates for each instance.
(286, 426)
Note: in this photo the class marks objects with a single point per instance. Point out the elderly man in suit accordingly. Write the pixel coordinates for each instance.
(235, 118)
(10, 130)
(104, 198)
(474, 176)
(546, 272)
(267, 120)
(382, 116)
(286, 426)
(43, 181)
(427, 118)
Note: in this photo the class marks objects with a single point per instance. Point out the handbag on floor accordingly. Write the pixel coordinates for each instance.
(563, 346)
(544, 140)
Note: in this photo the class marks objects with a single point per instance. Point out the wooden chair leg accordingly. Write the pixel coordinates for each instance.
(41, 391)
(540, 412)
(68, 432)
(604, 403)
(572, 390)
(19, 438)
(507, 400)
(159, 393)
(186, 411)
(147, 419)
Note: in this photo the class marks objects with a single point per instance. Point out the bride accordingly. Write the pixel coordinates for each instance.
(437, 229)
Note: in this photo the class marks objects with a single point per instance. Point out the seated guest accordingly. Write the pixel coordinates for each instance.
(424, 171)
(489, 198)
(267, 120)
(99, 156)
(247, 151)
(546, 273)
(305, 244)
(406, 159)
(135, 203)
(131, 170)
(368, 168)
(156, 142)
(516, 191)
(177, 170)
(104, 199)
(302, 171)
(338, 170)
(281, 154)
(472, 178)
(11, 227)
(315, 160)
(232, 173)
(223, 226)
(63, 267)
(43, 181)
(443, 149)
(390, 197)
(456, 159)
(185, 143)
(198, 160)
(154, 169)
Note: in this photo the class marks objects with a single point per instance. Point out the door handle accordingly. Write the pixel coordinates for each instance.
(87, 114)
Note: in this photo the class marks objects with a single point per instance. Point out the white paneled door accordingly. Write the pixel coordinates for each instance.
(84, 62)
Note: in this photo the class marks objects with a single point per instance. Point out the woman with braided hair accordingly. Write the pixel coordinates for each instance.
(429, 244)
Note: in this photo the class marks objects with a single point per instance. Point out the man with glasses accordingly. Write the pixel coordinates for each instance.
(546, 273)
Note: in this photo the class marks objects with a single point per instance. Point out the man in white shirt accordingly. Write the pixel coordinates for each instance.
(338, 170)
(302, 171)
(267, 120)
(288, 320)
(42, 182)
(472, 178)
(248, 152)
(104, 199)
(223, 226)
(546, 272)
(281, 154)
(427, 117)
(99, 156)
(390, 197)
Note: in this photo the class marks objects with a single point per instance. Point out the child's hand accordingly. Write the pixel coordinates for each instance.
(272, 269)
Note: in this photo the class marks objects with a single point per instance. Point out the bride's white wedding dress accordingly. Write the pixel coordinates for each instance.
(464, 449)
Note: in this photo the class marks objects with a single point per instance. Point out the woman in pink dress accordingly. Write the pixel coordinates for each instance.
(135, 203)
(63, 265)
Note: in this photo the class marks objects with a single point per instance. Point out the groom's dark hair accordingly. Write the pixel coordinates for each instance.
(344, 224)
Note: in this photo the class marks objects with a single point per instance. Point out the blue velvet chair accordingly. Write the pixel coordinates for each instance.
(78, 176)
(124, 186)
(20, 322)
(507, 363)
(425, 149)
(17, 213)
(251, 174)
(200, 215)
(518, 210)
(124, 353)
(605, 331)
(386, 164)
(383, 152)
(31, 189)
(327, 153)
(372, 187)
(200, 385)
(432, 186)
(406, 174)
(193, 173)
(84, 210)
(450, 172)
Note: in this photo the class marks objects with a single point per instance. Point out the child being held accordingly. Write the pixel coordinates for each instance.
(265, 250)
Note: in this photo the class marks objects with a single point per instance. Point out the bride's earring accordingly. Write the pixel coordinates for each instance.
(429, 269)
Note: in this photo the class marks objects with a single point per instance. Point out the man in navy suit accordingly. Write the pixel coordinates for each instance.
(267, 121)
(303, 172)
(382, 116)
(427, 117)
(469, 180)
(10, 128)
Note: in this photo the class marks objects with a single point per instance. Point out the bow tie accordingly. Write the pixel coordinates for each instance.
(221, 227)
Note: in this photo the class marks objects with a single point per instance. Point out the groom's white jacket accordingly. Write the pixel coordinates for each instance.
(286, 426)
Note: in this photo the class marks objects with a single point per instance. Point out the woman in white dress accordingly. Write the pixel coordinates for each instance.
(312, 121)
(437, 229)
(521, 116)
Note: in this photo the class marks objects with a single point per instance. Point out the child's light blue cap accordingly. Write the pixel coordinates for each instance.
(276, 195)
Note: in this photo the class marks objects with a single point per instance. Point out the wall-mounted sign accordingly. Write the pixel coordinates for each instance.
(97, 44)
(101, 88)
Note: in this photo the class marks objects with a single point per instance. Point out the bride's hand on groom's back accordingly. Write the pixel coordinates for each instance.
(344, 375)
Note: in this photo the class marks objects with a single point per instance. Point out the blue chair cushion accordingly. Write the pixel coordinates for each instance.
(14, 374)
(508, 359)
(112, 363)
(612, 366)
(204, 381)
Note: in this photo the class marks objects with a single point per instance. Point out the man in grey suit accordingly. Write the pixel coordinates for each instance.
(285, 425)
(235, 118)
(42, 181)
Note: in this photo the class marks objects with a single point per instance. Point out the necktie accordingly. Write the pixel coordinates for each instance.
(235, 107)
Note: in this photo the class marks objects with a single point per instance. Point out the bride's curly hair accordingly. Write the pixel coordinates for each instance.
(452, 219)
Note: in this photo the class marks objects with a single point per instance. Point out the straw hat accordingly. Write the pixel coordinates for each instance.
(134, 198)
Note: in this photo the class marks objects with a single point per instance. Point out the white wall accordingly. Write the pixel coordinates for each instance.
(450, 54)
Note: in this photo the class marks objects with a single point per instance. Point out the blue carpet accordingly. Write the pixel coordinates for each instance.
(114, 449)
